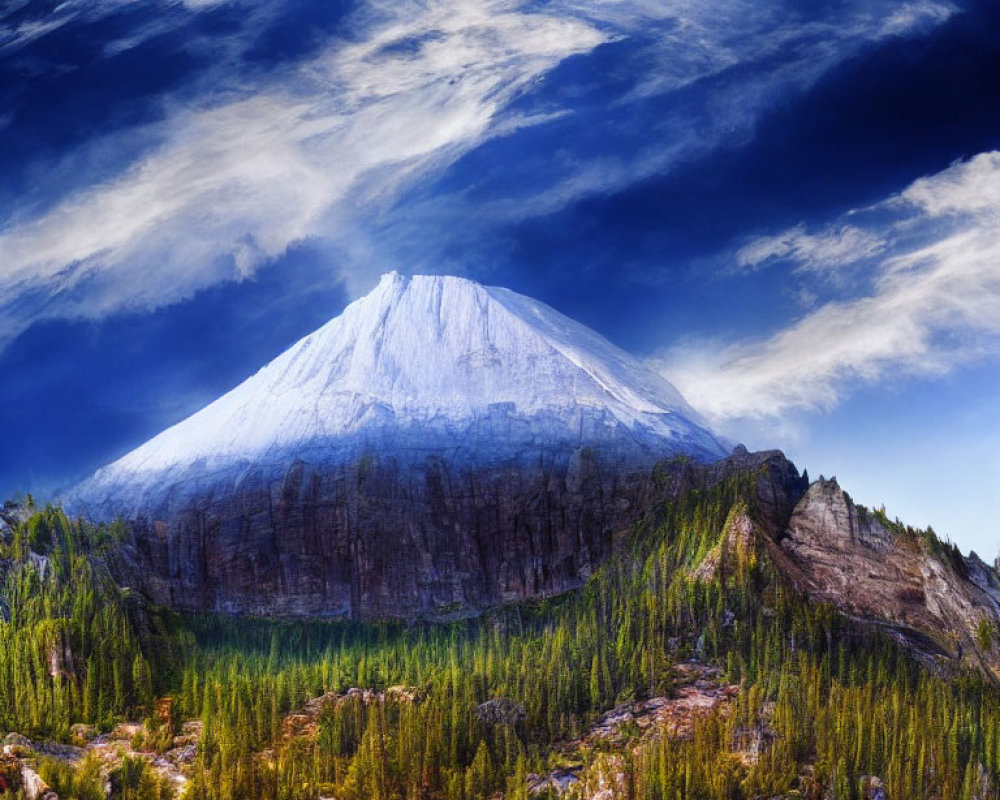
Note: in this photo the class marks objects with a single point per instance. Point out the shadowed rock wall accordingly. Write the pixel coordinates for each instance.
(385, 537)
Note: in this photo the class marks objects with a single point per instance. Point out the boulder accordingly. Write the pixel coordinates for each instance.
(501, 711)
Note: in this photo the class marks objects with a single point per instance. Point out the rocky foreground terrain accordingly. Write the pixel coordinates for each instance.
(20, 756)
(586, 766)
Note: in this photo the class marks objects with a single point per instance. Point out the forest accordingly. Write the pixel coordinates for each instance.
(832, 705)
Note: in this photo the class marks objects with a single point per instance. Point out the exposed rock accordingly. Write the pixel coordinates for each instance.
(873, 788)
(65, 752)
(415, 536)
(125, 732)
(699, 693)
(501, 711)
(750, 742)
(109, 749)
(81, 734)
(983, 788)
(16, 744)
(304, 723)
(190, 734)
(381, 538)
(34, 787)
(10, 774)
(40, 563)
(738, 539)
(558, 780)
(921, 593)
(17, 776)
(775, 484)
(12, 514)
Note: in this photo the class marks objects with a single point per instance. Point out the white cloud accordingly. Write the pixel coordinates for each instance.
(969, 188)
(734, 59)
(51, 19)
(935, 305)
(826, 251)
(909, 15)
(235, 184)
(326, 148)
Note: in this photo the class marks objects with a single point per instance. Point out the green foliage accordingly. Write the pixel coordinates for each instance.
(84, 782)
(986, 635)
(134, 779)
(814, 689)
(68, 647)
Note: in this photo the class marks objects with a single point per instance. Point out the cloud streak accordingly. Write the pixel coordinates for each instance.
(234, 184)
(935, 305)
(325, 148)
(825, 252)
(726, 64)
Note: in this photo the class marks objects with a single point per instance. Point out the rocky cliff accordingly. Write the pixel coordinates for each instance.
(418, 537)
(385, 537)
(917, 588)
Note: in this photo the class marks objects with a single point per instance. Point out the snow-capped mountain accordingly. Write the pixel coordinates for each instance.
(422, 362)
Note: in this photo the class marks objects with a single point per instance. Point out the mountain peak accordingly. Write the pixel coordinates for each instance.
(429, 362)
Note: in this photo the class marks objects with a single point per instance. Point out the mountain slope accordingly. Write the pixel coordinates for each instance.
(437, 449)
(911, 585)
(422, 361)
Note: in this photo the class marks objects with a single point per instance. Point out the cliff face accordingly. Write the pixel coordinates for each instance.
(384, 537)
(922, 592)
(415, 537)
(918, 590)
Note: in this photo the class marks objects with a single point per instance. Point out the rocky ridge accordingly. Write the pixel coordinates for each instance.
(917, 589)
(379, 538)
(383, 538)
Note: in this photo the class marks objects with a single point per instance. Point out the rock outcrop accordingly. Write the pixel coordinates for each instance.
(916, 588)
(416, 537)
(386, 538)
(19, 756)
(501, 711)
(593, 766)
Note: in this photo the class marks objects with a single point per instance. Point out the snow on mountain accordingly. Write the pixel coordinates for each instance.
(421, 362)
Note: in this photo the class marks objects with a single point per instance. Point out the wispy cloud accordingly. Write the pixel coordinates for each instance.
(324, 149)
(935, 305)
(42, 19)
(236, 183)
(826, 251)
(727, 64)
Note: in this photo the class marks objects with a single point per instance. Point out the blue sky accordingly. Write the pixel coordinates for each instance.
(791, 209)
